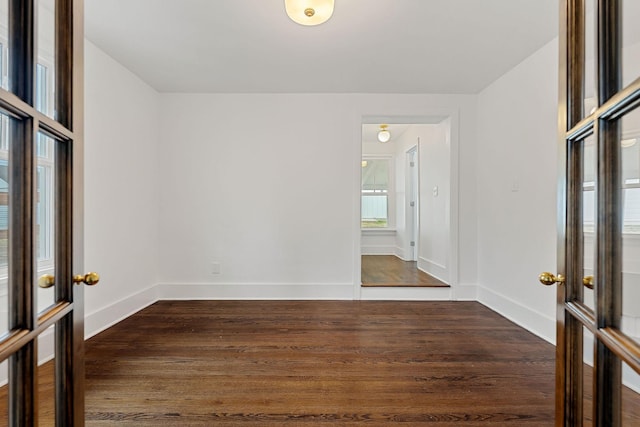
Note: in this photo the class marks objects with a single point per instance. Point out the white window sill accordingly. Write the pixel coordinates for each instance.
(379, 231)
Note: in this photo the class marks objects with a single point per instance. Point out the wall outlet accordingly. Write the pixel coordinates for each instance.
(215, 268)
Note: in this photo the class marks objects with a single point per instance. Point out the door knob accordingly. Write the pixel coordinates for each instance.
(48, 280)
(90, 278)
(549, 279)
(587, 281)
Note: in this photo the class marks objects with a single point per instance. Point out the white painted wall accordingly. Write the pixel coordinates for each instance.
(268, 186)
(121, 189)
(517, 182)
(435, 193)
(516, 199)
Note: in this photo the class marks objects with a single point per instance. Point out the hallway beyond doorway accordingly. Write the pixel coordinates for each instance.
(389, 270)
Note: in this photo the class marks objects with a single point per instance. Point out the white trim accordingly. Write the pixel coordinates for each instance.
(432, 268)
(379, 231)
(378, 250)
(535, 322)
(108, 316)
(400, 253)
(255, 291)
(405, 294)
(465, 292)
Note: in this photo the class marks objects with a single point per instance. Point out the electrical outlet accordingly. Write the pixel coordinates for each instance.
(215, 268)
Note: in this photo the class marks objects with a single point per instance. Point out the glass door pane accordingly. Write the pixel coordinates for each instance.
(589, 215)
(630, 149)
(45, 221)
(630, 397)
(4, 223)
(46, 379)
(45, 78)
(630, 41)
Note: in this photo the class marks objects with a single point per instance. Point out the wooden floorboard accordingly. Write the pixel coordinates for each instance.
(391, 271)
(321, 363)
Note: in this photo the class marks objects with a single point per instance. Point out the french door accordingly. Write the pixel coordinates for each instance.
(598, 310)
(40, 151)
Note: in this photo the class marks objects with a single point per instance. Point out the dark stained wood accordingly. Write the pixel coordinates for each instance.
(389, 270)
(325, 363)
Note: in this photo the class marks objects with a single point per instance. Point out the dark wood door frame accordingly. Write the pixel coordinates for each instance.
(26, 324)
(612, 346)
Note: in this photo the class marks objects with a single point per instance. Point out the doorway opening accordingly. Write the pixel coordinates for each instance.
(405, 202)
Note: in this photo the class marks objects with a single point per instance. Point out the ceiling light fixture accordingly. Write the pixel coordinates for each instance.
(626, 143)
(309, 12)
(384, 135)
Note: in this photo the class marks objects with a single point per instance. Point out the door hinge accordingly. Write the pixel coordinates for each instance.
(412, 164)
(412, 204)
(412, 244)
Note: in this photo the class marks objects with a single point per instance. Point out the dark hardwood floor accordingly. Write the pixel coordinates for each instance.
(389, 270)
(321, 363)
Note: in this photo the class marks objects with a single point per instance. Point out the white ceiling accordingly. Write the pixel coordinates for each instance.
(381, 46)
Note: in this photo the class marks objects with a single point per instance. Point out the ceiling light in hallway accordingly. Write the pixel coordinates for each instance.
(384, 135)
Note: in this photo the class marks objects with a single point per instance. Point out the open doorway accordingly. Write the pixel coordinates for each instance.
(405, 203)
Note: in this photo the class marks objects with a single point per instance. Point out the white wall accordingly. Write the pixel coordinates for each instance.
(516, 199)
(121, 190)
(435, 196)
(268, 187)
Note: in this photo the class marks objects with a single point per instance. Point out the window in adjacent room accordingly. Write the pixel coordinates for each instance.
(375, 200)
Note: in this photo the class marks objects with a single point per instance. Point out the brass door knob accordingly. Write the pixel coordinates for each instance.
(588, 282)
(90, 278)
(48, 280)
(549, 279)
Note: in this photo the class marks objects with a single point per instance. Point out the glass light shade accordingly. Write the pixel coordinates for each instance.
(626, 143)
(309, 12)
(384, 136)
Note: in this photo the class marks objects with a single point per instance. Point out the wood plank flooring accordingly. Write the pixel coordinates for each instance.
(389, 270)
(320, 363)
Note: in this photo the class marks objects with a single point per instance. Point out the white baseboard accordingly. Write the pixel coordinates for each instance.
(464, 292)
(439, 271)
(533, 321)
(405, 294)
(252, 291)
(378, 250)
(98, 321)
(399, 252)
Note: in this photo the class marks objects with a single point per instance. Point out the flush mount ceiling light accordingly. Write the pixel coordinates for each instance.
(309, 12)
(384, 135)
(626, 143)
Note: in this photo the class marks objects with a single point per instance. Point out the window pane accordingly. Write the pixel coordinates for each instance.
(4, 395)
(44, 216)
(589, 213)
(590, 89)
(4, 223)
(630, 149)
(46, 57)
(375, 193)
(46, 379)
(4, 42)
(374, 211)
(630, 397)
(630, 40)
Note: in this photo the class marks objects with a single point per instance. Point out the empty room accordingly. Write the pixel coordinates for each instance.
(319, 212)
